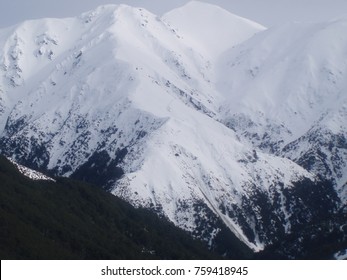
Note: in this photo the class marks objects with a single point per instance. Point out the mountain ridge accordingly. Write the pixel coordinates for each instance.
(313, 105)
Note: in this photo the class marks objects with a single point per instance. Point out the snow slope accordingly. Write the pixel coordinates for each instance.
(143, 106)
(285, 92)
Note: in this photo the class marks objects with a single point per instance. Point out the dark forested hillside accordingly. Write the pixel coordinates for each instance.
(72, 220)
(69, 219)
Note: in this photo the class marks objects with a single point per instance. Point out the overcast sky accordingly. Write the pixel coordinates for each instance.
(266, 12)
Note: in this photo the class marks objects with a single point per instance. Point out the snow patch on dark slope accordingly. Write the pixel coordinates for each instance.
(151, 109)
(32, 174)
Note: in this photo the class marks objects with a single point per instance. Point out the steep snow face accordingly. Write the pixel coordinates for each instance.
(184, 165)
(285, 92)
(124, 99)
(122, 66)
(289, 73)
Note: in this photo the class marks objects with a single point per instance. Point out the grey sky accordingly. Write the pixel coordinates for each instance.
(266, 12)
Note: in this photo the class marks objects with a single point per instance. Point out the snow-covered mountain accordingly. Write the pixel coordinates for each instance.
(190, 114)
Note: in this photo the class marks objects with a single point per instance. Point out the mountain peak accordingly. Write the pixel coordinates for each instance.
(210, 28)
(112, 12)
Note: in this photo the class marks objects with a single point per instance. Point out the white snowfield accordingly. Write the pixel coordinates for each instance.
(179, 93)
